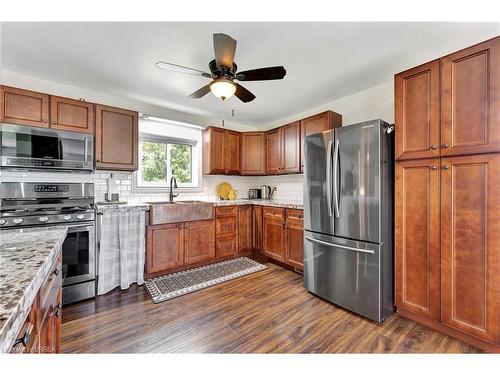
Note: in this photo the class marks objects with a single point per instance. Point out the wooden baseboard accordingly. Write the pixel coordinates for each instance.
(481, 344)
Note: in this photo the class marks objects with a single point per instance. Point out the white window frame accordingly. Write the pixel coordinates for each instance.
(196, 170)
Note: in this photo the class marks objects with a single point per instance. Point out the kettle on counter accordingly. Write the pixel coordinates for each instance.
(267, 192)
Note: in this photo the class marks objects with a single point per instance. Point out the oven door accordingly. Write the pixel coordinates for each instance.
(78, 254)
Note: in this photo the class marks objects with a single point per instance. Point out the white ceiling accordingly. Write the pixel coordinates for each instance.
(324, 61)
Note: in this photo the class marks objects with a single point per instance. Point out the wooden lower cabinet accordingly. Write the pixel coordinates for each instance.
(273, 232)
(165, 248)
(448, 245)
(244, 229)
(470, 253)
(294, 252)
(417, 237)
(257, 228)
(226, 231)
(199, 241)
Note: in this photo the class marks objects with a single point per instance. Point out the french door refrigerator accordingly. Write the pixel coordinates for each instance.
(348, 217)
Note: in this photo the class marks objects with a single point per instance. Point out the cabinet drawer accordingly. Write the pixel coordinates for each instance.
(225, 246)
(296, 215)
(225, 227)
(275, 212)
(225, 211)
(50, 288)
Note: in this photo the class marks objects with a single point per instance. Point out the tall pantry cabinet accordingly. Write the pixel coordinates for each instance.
(447, 199)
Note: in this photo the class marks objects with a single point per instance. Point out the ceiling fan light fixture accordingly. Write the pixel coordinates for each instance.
(223, 88)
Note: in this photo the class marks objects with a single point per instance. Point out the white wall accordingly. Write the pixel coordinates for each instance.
(374, 103)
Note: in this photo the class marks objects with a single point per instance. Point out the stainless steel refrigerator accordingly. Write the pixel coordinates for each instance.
(348, 217)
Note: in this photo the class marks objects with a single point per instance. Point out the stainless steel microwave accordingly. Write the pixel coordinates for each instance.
(25, 147)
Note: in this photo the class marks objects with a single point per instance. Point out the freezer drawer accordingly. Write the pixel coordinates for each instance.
(347, 273)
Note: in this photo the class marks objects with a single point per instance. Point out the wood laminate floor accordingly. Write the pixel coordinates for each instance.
(265, 312)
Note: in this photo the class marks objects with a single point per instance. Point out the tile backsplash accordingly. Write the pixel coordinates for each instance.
(289, 187)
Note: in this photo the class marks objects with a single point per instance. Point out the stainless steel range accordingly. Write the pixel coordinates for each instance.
(28, 205)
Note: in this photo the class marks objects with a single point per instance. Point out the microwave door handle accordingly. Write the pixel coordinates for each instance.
(85, 150)
(335, 173)
(60, 149)
(329, 178)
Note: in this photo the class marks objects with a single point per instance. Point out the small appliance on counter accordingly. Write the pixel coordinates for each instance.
(254, 194)
(267, 192)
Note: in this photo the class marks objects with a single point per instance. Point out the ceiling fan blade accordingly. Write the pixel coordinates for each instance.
(200, 93)
(262, 74)
(182, 69)
(243, 94)
(224, 48)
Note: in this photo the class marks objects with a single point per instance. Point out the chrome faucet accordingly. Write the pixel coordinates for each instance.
(171, 195)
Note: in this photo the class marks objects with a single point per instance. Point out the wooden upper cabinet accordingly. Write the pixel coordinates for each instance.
(274, 151)
(253, 153)
(24, 107)
(165, 247)
(470, 100)
(315, 124)
(221, 151)
(71, 115)
(116, 138)
(291, 148)
(417, 254)
(199, 241)
(244, 228)
(470, 254)
(417, 112)
(231, 152)
(213, 156)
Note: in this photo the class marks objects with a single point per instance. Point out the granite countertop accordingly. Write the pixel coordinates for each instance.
(126, 206)
(262, 202)
(26, 256)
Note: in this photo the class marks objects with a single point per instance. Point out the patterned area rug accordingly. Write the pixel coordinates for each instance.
(166, 287)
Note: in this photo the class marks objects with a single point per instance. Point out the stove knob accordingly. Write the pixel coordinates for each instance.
(43, 219)
(3, 221)
(80, 217)
(17, 220)
(67, 217)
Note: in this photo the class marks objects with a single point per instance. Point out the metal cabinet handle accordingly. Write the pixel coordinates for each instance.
(433, 147)
(434, 167)
(53, 122)
(55, 272)
(44, 121)
(57, 310)
(445, 145)
(445, 167)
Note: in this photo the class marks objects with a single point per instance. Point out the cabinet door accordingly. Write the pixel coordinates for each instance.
(116, 140)
(50, 332)
(274, 159)
(417, 112)
(226, 226)
(231, 152)
(470, 100)
(225, 246)
(294, 254)
(470, 254)
(71, 115)
(291, 147)
(274, 237)
(24, 107)
(244, 228)
(165, 247)
(315, 124)
(213, 155)
(253, 153)
(417, 237)
(257, 228)
(199, 241)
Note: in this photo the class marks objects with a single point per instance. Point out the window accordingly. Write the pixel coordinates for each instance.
(162, 156)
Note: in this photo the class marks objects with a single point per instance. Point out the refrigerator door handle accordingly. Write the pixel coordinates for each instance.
(340, 246)
(329, 178)
(335, 172)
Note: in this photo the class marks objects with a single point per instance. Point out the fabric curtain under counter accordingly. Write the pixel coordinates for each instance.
(121, 248)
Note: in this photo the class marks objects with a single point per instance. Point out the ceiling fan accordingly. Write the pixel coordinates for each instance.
(223, 72)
